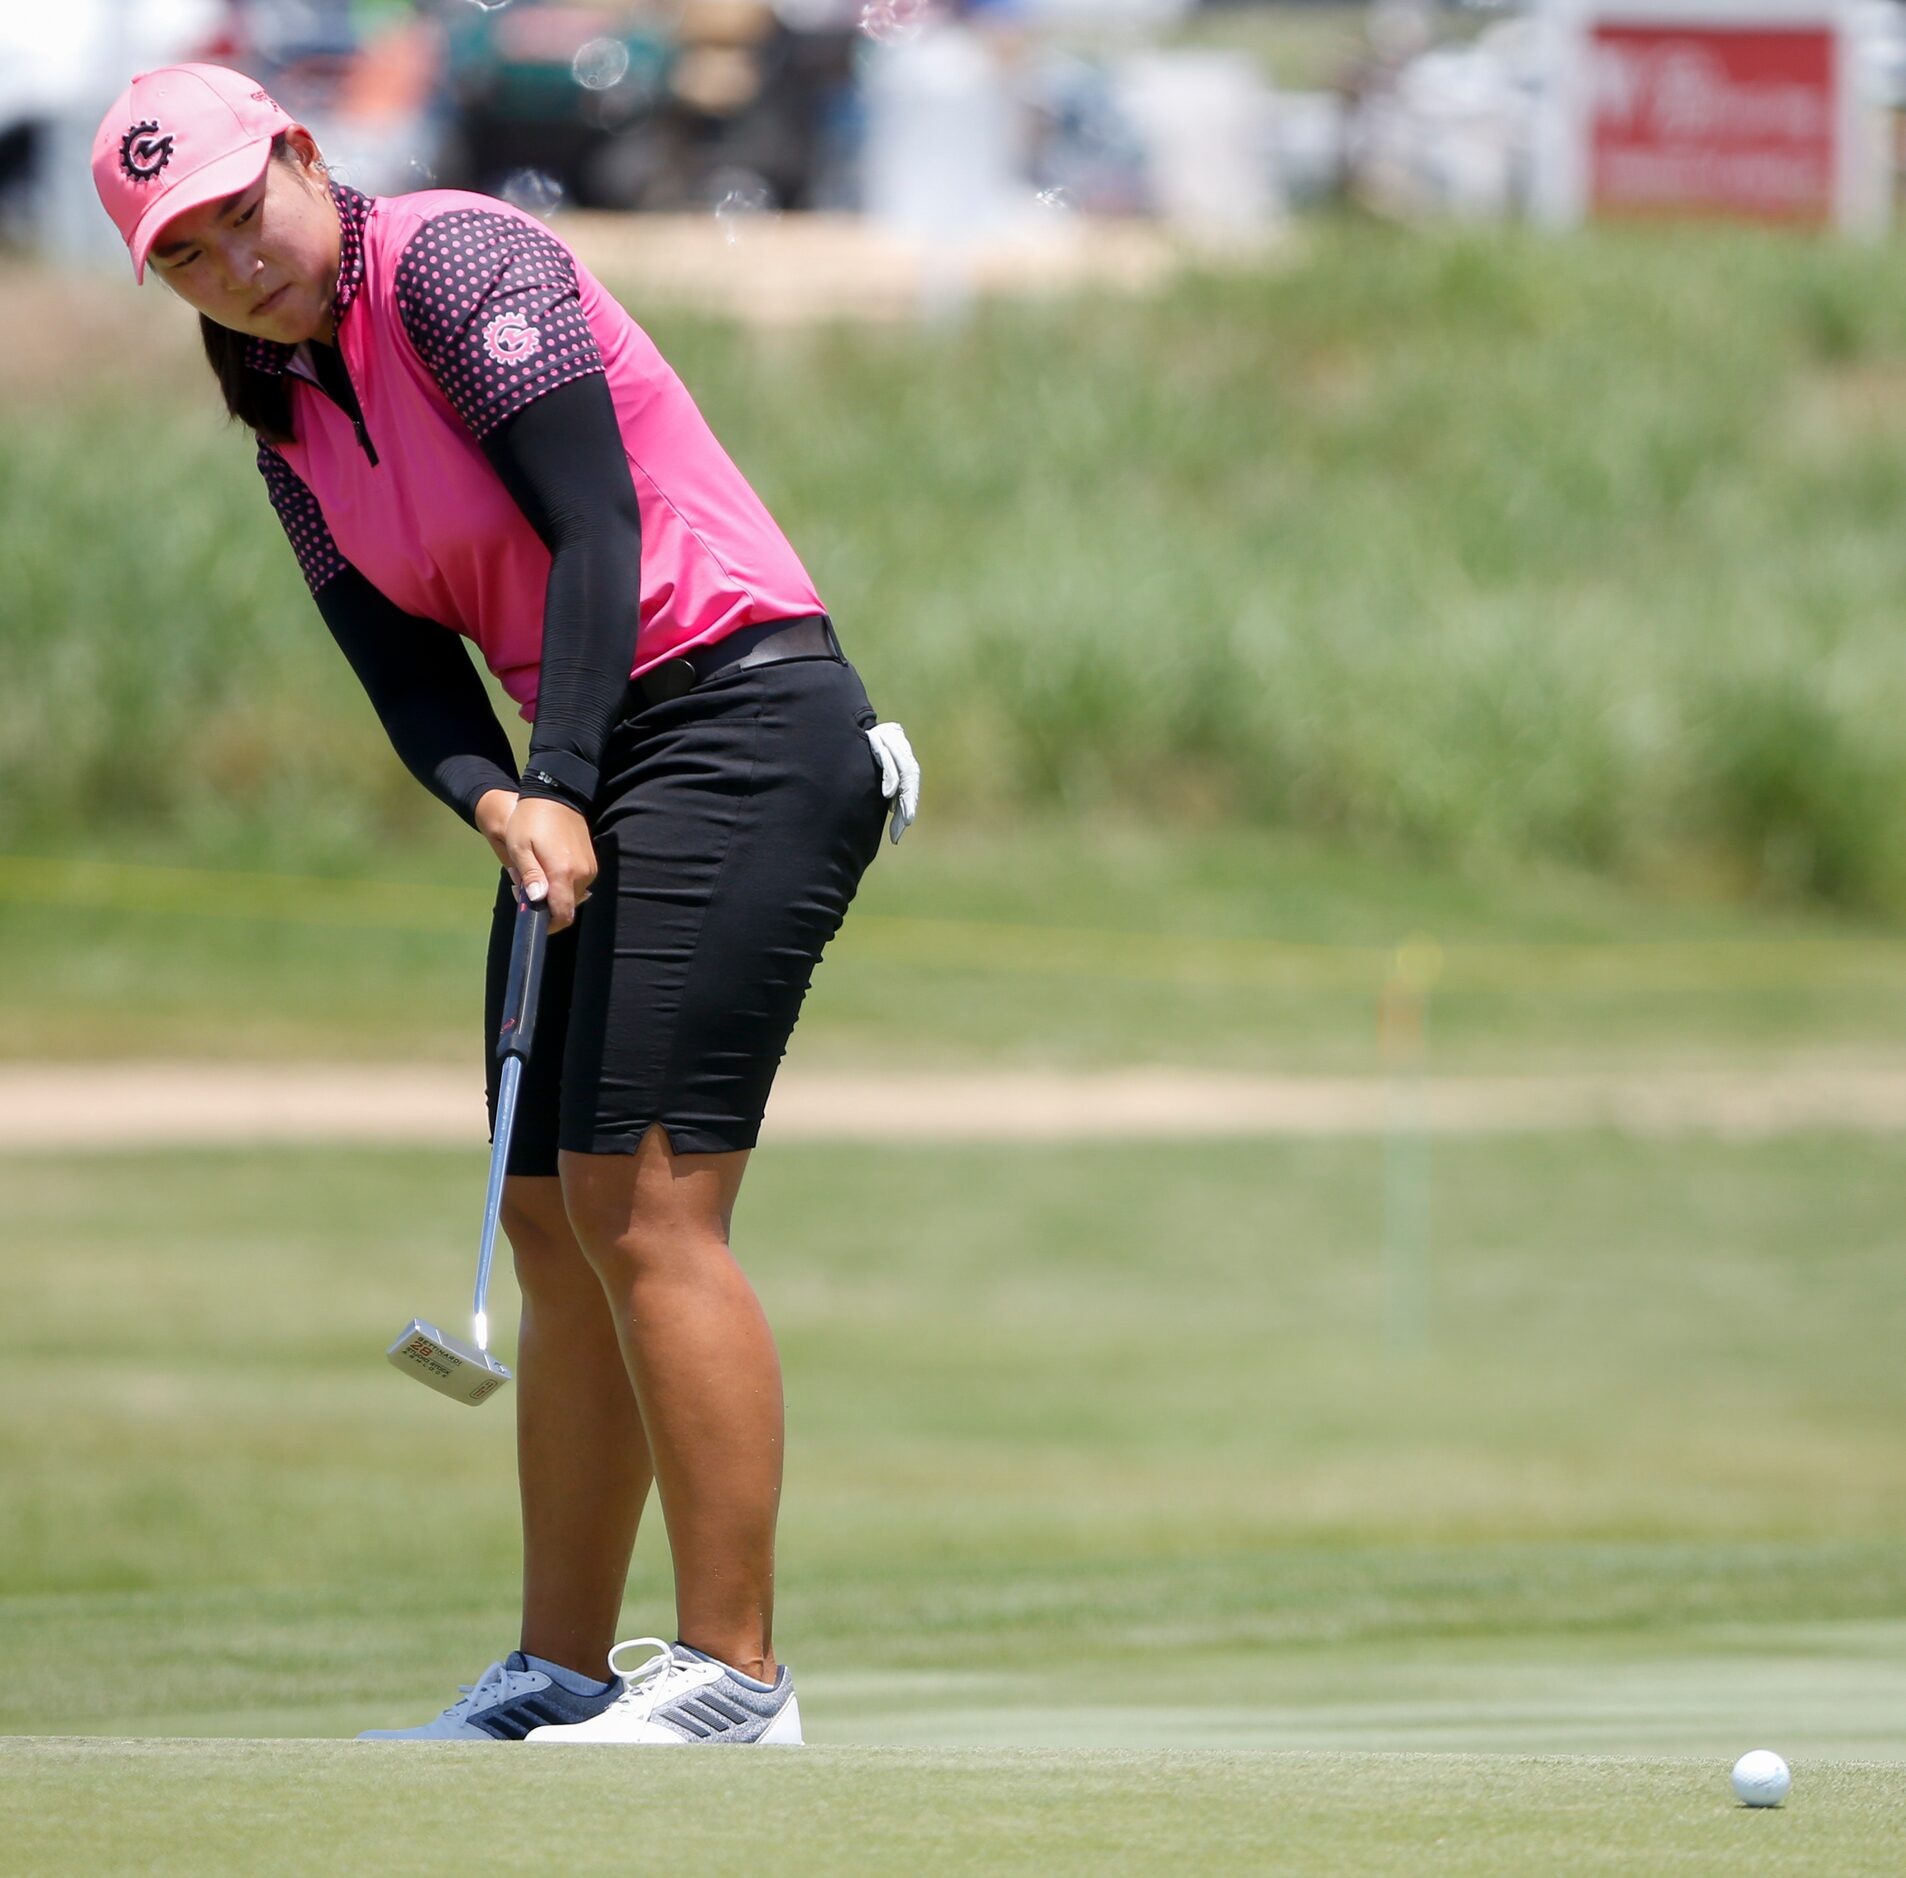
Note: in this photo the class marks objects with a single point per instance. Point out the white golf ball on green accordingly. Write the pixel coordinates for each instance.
(1761, 1778)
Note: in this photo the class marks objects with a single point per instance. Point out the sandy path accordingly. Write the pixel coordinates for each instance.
(145, 1105)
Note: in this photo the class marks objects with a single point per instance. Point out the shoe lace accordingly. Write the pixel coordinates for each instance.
(492, 1686)
(649, 1685)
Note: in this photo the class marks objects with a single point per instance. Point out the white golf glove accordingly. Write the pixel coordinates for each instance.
(899, 775)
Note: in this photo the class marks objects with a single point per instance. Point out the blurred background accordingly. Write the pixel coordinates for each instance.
(1352, 1157)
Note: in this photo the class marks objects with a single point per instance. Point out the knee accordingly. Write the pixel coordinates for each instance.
(547, 1257)
(647, 1244)
(651, 1214)
(635, 1249)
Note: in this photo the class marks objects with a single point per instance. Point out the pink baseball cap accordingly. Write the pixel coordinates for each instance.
(176, 139)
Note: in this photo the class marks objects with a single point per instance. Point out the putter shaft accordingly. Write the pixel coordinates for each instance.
(493, 1198)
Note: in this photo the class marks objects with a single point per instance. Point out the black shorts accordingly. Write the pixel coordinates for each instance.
(731, 829)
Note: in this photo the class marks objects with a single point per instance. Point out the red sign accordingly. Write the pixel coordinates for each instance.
(1701, 119)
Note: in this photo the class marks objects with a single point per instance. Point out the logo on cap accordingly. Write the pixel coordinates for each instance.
(145, 150)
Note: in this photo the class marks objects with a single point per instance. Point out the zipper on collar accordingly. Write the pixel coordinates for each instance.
(348, 404)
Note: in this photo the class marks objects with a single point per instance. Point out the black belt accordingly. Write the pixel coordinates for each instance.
(809, 638)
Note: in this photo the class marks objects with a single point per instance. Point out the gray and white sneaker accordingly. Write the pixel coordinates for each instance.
(506, 1702)
(683, 1698)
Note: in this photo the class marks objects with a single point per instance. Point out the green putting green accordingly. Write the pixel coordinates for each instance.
(311, 1807)
(1113, 1528)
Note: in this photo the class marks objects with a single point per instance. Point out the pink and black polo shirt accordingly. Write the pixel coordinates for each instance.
(455, 310)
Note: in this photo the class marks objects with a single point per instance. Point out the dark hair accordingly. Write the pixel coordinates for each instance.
(260, 399)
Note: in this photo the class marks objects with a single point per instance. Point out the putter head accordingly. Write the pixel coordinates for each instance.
(447, 1364)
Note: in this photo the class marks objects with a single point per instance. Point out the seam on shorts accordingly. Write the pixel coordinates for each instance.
(630, 1140)
(721, 865)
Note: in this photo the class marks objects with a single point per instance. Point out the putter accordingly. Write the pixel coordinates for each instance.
(467, 1372)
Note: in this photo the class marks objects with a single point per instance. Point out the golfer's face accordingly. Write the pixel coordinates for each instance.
(263, 262)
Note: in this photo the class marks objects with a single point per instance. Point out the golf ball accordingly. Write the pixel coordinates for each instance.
(1761, 1778)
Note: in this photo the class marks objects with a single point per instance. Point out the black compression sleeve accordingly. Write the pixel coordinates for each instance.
(562, 458)
(425, 691)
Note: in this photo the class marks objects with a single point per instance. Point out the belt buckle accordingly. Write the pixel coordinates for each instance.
(670, 679)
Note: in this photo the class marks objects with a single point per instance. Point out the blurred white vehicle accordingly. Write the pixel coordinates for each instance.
(1453, 132)
(1879, 28)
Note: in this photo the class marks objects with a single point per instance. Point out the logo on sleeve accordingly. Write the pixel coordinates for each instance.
(510, 338)
(145, 150)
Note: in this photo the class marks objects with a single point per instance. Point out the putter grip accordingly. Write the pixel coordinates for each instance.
(528, 941)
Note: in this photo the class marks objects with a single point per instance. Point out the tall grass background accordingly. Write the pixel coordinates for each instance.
(1481, 547)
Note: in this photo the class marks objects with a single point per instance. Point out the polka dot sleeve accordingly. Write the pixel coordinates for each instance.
(304, 523)
(492, 306)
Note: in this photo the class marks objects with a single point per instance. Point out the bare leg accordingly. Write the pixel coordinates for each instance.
(655, 1226)
(582, 1458)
